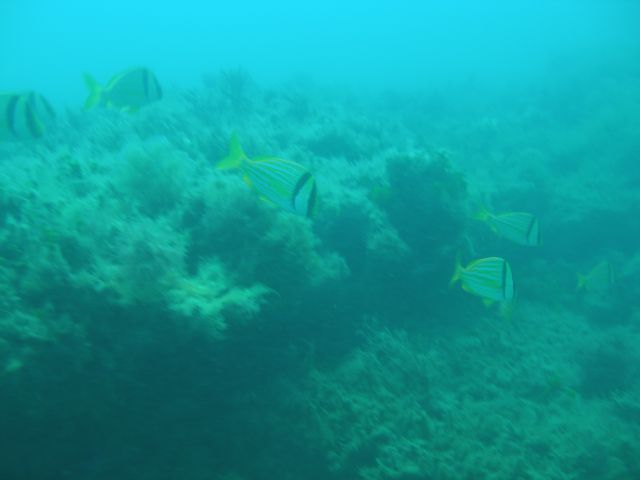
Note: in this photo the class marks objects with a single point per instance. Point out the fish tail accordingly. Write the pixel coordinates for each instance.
(95, 91)
(236, 155)
(457, 271)
(582, 281)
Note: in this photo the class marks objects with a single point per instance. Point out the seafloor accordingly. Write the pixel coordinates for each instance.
(161, 321)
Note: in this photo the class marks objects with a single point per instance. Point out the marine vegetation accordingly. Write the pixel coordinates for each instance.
(172, 308)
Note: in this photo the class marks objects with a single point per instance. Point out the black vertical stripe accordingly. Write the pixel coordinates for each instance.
(145, 82)
(48, 107)
(299, 185)
(32, 121)
(11, 113)
(311, 204)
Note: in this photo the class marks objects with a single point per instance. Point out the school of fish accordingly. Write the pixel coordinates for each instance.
(290, 185)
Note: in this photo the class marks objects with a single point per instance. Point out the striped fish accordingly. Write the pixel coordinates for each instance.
(24, 115)
(285, 183)
(489, 278)
(599, 280)
(129, 90)
(519, 227)
(41, 107)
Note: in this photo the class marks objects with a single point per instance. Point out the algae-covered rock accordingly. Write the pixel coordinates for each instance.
(427, 202)
(209, 301)
(154, 177)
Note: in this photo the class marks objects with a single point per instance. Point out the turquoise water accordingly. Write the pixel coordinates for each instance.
(161, 318)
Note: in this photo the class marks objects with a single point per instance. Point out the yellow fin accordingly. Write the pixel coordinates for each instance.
(95, 91)
(487, 302)
(482, 214)
(236, 155)
(507, 308)
(457, 270)
(247, 181)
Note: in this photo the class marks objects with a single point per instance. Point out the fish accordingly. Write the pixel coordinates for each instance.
(287, 184)
(24, 115)
(600, 279)
(489, 278)
(41, 107)
(128, 91)
(519, 227)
